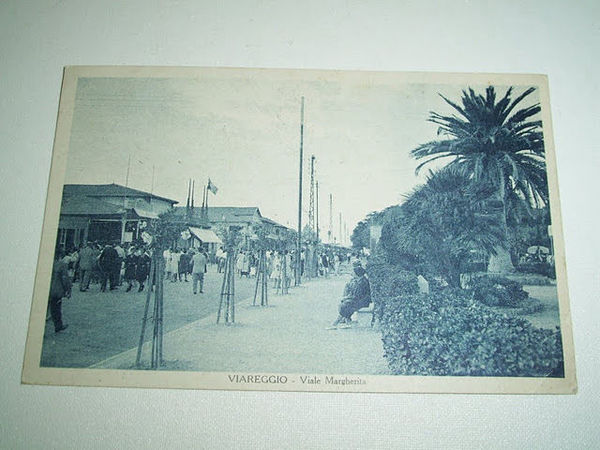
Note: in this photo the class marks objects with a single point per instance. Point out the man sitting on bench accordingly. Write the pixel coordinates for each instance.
(357, 295)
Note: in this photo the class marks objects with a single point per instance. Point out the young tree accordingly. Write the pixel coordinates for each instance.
(493, 144)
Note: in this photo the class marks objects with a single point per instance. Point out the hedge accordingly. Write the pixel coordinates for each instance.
(448, 332)
(498, 291)
(540, 268)
(385, 278)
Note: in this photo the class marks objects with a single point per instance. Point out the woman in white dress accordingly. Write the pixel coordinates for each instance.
(174, 264)
(276, 270)
(167, 259)
(239, 263)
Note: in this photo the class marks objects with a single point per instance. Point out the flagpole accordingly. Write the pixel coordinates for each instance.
(128, 167)
(299, 243)
(204, 213)
(207, 188)
(187, 202)
(152, 184)
(193, 189)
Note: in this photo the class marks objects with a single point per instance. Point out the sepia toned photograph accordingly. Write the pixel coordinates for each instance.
(299, 230)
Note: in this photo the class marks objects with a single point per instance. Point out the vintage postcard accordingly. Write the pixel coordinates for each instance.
(302, 230)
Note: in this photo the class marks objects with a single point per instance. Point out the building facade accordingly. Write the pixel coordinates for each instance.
(106, 213)
(244, 219)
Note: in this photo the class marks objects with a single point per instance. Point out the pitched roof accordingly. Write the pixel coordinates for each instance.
(275, 224)
(82, 205)
(232, 213)
(108, 190)
(227, 214)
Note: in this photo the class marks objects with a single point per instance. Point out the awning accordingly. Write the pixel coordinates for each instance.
(145, 214)
(205, 235)
(537, 248)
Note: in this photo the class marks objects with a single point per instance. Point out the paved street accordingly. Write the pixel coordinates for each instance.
(288, 336)
(104, 324)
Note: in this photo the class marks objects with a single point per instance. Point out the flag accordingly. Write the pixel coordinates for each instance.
(212, 188)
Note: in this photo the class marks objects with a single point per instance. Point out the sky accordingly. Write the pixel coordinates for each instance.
(242, 130)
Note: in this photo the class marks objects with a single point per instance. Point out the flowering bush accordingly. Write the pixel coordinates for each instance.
(447, 333)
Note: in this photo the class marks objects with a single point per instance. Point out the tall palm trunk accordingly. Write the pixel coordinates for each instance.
(501, 261)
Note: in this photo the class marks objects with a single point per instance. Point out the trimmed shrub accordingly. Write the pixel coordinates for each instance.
(498, 291)
(540, 268)
(447, 333)
(388, 281)
(392, 280)
(528, 306)
(530, 279)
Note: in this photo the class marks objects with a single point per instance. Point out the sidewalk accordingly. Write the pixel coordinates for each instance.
(288, 336)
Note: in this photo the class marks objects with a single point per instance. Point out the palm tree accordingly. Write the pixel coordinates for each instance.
(442, 224)
(493, 143)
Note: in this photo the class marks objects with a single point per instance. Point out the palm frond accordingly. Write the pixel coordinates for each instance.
(515, 102)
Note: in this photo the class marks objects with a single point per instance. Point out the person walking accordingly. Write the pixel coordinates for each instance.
(131, 261)
(119, 264)
(199, 261)
(287, 269)
(338, 264)
(325, 264)
(173, 268)
(60, 286)
(183, 267)
(109, 264)
(276, 270)
(239, 263)
(87, 260)
(220, 255)
(167, 257)
(142, 268)
(95, 274)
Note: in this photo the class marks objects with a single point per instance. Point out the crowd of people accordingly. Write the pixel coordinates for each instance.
(312, 264)
(179, 263)
(111, 265)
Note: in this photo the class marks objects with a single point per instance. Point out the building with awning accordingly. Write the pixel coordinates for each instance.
(204, 236)
(106, 213)
(221, 219)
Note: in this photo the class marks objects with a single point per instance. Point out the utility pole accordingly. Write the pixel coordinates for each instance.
(128, 168)
(317, 212)
(152, 187)
(299, 243)
(345, 233)
(330, 232)
(152, 183)
(340, 233)
(311, 200)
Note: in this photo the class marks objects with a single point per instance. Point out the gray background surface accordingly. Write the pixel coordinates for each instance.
(37, 38)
